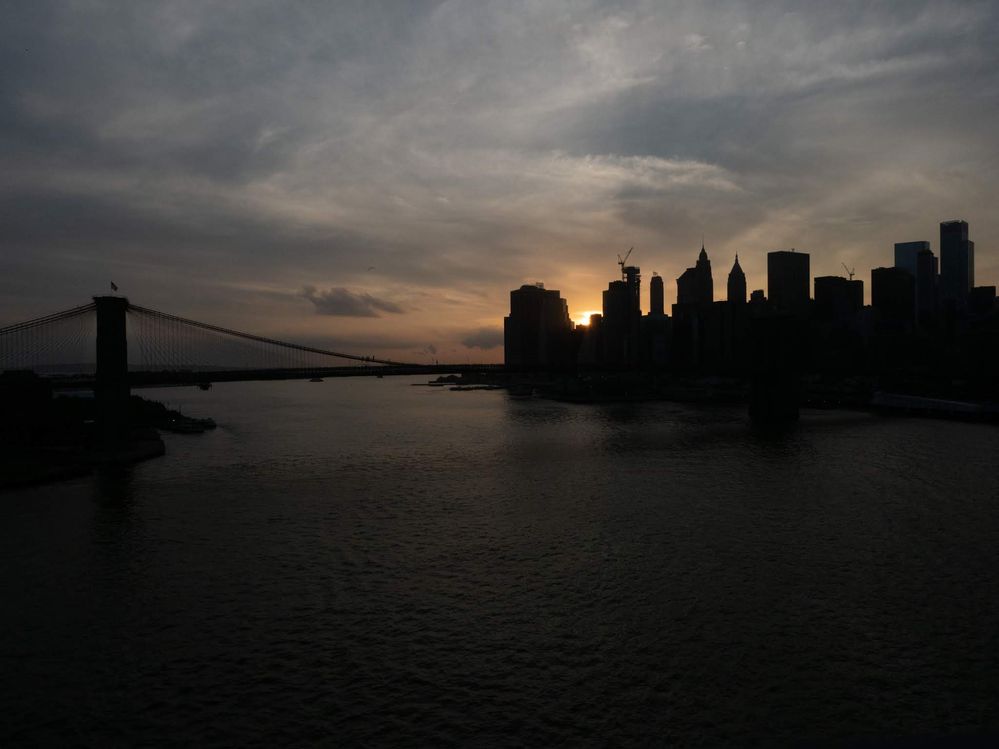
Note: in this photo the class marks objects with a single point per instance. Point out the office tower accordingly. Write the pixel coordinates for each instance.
(906, 253)
(656, 326)
(622, 314)
(892, 295)
(537, 331)
(957, 263)
(788, 280)
(695, 285)
(657, 299)
(838, 299)
(737, 284)
(927, 282)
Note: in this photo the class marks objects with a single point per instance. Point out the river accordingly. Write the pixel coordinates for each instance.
(367, 562)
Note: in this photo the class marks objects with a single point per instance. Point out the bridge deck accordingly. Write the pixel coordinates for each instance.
(153, 379)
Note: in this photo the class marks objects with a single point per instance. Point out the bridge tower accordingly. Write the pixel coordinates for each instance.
(112, 390)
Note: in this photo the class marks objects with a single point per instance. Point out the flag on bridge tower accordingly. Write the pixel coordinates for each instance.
(114, 286)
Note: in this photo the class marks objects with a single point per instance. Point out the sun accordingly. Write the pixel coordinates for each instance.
(583, 318)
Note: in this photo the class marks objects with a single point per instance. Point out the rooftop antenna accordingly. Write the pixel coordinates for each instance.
(622, 260)
(849, 271)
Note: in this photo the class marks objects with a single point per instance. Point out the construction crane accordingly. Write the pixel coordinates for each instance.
(622, 260)
(849, 271)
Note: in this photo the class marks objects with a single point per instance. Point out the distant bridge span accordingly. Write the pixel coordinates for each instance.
(168, 378)
(172, 350)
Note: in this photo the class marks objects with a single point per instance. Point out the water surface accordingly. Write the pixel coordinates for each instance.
(366, 562)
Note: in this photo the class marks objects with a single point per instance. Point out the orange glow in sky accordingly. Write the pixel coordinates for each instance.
(583, 318)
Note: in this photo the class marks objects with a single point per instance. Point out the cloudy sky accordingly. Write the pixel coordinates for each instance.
(378, 176)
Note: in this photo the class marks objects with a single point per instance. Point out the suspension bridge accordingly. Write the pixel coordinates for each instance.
(112, 345)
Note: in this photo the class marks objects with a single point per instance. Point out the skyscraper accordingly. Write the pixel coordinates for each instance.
(537, 331)
(788, 279)
(838, 299)
(622, 313)
(906, 253)
(695, 285)
(736, 284)
(957, 263)
(926, 287)
(657, 299)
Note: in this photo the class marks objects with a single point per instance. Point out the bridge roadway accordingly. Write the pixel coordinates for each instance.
(191, 377)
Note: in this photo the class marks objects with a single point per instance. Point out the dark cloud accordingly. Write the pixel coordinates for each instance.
(346, 303)
(483, 338)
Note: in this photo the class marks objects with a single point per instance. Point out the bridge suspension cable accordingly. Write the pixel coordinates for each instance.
(182, 321)
(59, 343)
(46, 319)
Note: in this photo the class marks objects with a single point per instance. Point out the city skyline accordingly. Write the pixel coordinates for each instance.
(904, 256)
(375, 178)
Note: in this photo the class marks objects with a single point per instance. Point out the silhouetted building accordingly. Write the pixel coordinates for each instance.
(622, 313)
(656, 336)
(788, 281)
(927, 282)
(657, 297)
(695, 285)
(838, 299)
(757, 297)
(736, 284)
(694, 298)
(957, 263)
(656, 327)
(906, 254)
(538, 329)
(590, 341)
(893, 295)
(982, 300)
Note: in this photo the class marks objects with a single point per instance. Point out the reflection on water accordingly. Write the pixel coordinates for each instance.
(369, 562)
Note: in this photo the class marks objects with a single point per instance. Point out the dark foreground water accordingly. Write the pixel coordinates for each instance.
(365, 562)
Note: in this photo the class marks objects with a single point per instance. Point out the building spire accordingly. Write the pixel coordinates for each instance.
(736, 283)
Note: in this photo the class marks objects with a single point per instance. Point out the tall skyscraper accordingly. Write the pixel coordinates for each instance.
(622, 317)
(838, 299)
(537, 331)
(927, 282)
(657, 297)
(695, 285)
(788, 280)
(957, 263)
(906, 253)
(736, 283)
